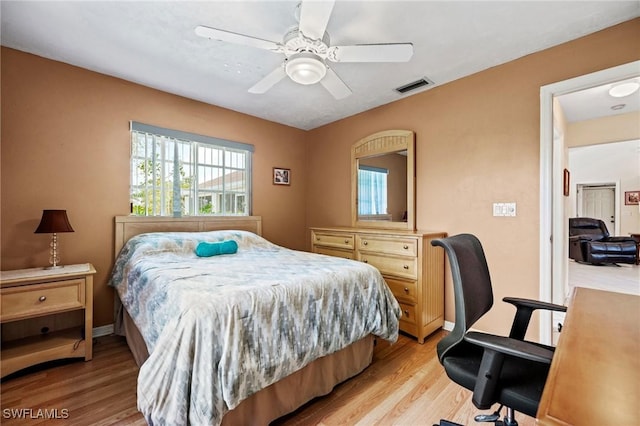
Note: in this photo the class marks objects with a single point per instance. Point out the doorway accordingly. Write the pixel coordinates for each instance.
(553, 206)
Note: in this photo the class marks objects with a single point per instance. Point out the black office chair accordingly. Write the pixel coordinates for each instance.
(505, 370)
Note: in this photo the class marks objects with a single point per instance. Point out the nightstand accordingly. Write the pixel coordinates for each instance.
(28, 295)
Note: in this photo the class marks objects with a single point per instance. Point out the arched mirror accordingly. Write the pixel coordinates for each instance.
(383, 181)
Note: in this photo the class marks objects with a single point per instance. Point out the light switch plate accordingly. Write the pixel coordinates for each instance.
(504, 209)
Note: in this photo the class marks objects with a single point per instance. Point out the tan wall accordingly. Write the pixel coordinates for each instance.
(65, 145)
(617, 128)
(478, 142)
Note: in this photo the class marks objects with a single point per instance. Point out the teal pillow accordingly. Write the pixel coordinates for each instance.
(205, 249)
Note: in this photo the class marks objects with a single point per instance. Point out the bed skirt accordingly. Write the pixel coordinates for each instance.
(285, 396)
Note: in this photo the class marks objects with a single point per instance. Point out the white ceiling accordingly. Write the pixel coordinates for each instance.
(153, 43)
(596, 102)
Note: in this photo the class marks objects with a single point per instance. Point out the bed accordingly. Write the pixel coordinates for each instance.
(240, 338)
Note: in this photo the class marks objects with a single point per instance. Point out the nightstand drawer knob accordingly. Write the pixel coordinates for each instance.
(42, 298)
(406, 247)
(365, 243)
(406, 266)
(406, 290)
(406, 312)
(346, 241)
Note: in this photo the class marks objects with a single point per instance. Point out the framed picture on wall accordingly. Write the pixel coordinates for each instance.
(632, 198)
(281, 176)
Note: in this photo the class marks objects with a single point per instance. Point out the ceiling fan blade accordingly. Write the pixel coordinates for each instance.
(268, 81)
(241, 39)
(392, 52)
(335, 85)
(314, 17)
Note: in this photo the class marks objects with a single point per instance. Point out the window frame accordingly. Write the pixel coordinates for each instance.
(195, 143)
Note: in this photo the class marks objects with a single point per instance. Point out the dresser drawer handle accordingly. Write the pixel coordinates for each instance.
(365, 261)
(406, 312)
(364, 243)
(406, 290)
(406, 266)
(346, 241)
(406, 247)
(317, 238)
(42, 298)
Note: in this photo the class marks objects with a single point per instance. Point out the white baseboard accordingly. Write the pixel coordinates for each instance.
(104, 330)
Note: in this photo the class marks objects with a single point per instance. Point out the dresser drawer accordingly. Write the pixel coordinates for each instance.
(406, 267)
(403, 290)
(42, 299)
(396, 246)
(408, 313)
(346, 254)
(343, 241)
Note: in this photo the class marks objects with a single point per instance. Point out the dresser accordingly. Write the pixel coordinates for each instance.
(34, 305)
(412, 268)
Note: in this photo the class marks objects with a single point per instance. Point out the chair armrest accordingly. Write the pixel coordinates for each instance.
(495, 349)
(534, 304)
(509, 346)
(621, 239)
(524, 310)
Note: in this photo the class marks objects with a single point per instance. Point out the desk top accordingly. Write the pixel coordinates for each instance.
(595, 373)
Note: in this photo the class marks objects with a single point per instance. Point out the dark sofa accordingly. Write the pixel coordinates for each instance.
(590, 242)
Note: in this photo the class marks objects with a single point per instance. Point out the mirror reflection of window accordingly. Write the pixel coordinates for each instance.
(372, 191)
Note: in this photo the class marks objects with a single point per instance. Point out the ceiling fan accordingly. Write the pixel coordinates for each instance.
(307, 50)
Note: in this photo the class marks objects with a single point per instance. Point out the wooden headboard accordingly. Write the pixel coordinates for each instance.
(130, 226)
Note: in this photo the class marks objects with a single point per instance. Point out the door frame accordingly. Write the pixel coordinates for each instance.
(553, 257)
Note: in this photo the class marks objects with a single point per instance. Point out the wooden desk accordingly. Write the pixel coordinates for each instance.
(595, 372)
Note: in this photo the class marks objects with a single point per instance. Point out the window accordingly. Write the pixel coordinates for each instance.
(372, 190)
(175, 173)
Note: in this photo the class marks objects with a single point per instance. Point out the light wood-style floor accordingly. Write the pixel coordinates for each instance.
(405, 385)
(621, 278)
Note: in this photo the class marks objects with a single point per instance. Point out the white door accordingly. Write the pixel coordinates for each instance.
(598, 202)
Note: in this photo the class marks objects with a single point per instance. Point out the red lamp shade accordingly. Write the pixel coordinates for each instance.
(54, 221)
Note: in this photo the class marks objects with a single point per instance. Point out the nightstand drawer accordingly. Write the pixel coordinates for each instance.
(42, 299)
(344, 241)
(396, 246)
(406, 267)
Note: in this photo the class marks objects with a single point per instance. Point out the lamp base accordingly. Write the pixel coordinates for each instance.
(54, 267)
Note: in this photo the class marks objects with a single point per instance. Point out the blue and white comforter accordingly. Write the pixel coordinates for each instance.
(219, 329)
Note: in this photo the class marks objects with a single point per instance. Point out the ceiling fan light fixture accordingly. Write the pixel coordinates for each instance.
(305, 68)
(624, 89)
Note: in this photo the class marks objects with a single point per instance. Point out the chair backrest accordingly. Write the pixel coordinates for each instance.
(594, 228)
(471, 285)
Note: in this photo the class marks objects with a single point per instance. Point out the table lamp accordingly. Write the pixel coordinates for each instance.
(52, 222)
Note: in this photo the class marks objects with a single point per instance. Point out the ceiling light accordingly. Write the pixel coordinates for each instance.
(624, 89)
(305, 68)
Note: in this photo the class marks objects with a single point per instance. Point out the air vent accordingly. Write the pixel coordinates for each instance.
(414, 85)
